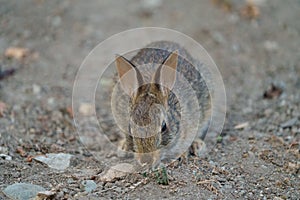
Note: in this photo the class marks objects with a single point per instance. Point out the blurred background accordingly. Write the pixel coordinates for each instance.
(245, 38)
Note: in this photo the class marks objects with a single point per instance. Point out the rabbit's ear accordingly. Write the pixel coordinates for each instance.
(130, 77)
(165, 75)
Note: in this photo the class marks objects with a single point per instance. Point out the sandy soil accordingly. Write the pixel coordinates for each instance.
(258, 161)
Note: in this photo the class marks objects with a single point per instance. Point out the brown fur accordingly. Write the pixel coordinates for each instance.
(154, 110)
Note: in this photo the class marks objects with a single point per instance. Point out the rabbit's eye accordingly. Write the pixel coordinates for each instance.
(163, 127)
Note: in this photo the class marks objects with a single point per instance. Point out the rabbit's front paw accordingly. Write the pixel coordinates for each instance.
(149, 160)
(124, 151)
(197, 148)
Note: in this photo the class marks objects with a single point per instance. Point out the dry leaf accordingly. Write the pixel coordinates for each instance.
(250, 11)
(3, 108)
(69, 110)
(21, 151)
(29, 158)
(241, 126)
(293, 168)
(224, 4)
(16, 52)
(273, 92)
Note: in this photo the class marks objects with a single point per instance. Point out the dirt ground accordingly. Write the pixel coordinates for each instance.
(254, 47)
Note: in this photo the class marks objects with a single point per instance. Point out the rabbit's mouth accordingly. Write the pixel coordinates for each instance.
(148, 159)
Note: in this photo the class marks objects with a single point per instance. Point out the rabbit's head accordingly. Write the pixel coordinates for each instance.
(148, 120)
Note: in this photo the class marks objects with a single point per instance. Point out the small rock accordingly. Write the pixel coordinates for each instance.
(228, 186)
(89, 185)
(86, 109)
(242, 192)
(45, 195)
(118, 189)
(289, 123)
(71, 181)
(60, 195)
(57, 116)
(212, 163)
(51, 101)
(116, 171)
(218, 37)
(22, 191)
(58, 161)
(36, 89)
(109, 185)
(277, 198)
(3, 150)
(5, 157)
(270, 45)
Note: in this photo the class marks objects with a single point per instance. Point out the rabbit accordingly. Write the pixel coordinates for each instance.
(150, 111)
